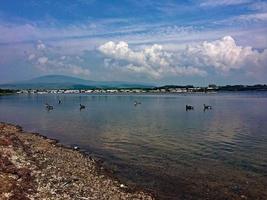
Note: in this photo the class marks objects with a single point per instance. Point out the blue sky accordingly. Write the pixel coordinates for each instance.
(162, 42)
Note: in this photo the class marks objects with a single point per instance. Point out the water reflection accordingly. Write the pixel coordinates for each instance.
(157, 143)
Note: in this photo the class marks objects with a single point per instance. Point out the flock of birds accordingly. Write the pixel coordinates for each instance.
(50, 107)
(205, 107)
(136, 103)
(187, 107)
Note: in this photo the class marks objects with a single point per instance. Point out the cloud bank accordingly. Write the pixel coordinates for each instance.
(224, 55)
(220, 56)
(49, 61)
(152, 61)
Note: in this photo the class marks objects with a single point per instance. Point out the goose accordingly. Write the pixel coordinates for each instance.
(136, 103)
(207, 107)
(82, 106)
(188, 107)
(49, 107)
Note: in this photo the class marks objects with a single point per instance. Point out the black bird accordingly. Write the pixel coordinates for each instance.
(207, 107)
(49, 107)
(82, 106)
(59, 101)
(188, 107)
(136, 103)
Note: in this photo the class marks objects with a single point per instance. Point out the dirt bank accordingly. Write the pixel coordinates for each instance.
(34, 167)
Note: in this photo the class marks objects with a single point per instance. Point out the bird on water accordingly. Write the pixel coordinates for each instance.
(82, 106)
(206, 107)
(188, 107)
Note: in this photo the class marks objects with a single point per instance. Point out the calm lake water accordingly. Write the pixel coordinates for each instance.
(216, 154)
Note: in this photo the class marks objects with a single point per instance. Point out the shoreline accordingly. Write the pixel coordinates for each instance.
(33, 166)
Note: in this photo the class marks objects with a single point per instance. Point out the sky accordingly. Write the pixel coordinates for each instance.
(182, 42)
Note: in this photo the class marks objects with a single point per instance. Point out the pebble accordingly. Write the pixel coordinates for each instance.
(58, 166)
(123, 186)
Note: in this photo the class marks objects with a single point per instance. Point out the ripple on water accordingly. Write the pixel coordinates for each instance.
(158, 144)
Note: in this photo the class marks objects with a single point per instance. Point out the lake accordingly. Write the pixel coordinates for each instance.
(214, 154)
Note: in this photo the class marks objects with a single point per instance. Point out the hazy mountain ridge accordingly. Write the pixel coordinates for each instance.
(68, 82)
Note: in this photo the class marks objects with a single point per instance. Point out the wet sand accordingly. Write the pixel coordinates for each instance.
(35, 167)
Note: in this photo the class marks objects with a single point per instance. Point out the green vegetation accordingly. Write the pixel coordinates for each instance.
(170, 88)
(243, 88)
(6, 91)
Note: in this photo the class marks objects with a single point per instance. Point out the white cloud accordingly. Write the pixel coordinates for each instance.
(40, 45)
(49, 60)
(152, 61)
(259, 6)
(31, 56)
(78, 37)
(213, 3)
(77, 70)
(56, 66)
(42, 60)
(224, 55)
(221, 55)
(256, 17)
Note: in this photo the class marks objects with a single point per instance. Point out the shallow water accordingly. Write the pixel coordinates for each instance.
(216, 154)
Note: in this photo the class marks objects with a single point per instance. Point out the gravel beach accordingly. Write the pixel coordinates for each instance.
(34, 167)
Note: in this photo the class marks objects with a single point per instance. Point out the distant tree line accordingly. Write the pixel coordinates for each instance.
(243, 88)
(166, 88)
(6, 91)
(213, 87)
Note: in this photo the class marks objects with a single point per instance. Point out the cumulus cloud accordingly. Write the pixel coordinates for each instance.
(221, 56)
(224, 55)
(49, 60)
(40, 45)
(31, 56)
(153, 61)
(42, 60)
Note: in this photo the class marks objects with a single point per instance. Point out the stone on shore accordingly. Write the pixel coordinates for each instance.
(33, 167)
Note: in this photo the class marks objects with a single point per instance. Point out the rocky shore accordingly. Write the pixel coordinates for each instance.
(34, 167)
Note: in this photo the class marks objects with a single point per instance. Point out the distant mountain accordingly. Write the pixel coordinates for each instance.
(68, 82)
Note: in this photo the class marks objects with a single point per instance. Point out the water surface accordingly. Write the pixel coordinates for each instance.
(216, 154)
